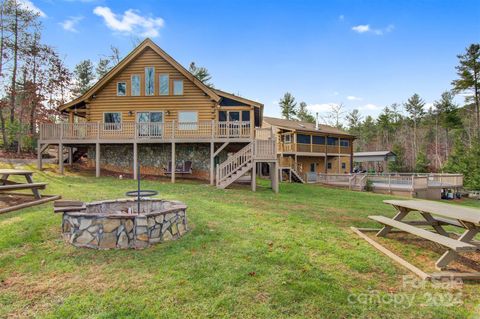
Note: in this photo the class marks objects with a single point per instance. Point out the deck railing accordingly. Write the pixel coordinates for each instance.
(312, 148)
(156, 131)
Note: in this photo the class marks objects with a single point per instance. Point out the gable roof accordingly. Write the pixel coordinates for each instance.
(237, 98)
(147, 43)
(375, 153)
(301, 126)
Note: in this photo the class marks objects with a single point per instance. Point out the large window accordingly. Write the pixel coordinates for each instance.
(332, 141)
(344, 143)
(164, 84)
(112, 120)
(187, 120)
(318, 140)
(135, 85)
(178, 87)
(121, 88)
(149, 81)
(150, 124)
(303, 139)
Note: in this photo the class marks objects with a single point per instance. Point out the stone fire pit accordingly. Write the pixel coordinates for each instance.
(116, 224)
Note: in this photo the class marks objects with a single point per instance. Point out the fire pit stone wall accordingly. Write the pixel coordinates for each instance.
(111, 224)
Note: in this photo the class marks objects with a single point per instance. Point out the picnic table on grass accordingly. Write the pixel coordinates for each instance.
(8, 186)
(435, 215)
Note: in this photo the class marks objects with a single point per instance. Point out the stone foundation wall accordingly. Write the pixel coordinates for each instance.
(121, 230)
(154, 158)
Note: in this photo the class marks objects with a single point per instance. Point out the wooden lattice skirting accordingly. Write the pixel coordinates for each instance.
(44, 199)
(420, 273)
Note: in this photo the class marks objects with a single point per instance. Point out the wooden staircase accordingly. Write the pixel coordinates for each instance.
(292, 174)
(235, 166)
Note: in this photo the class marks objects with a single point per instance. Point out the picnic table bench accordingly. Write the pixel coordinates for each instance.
(6, 184)
(435, 215)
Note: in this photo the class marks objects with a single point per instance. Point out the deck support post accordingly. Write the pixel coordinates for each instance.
(254, 177)
(212, 160)
(97, 160)
(70, 155)
(39, 155)
(135, 161)
(60, 158)
(274, 181)
(173, 162)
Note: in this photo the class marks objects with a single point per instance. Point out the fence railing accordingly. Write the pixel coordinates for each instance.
(412, 181)
(312, 148)
(133, 130)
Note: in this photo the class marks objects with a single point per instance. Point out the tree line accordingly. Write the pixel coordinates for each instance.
(443, 137)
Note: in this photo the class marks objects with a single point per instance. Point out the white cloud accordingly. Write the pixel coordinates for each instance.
(361, 28)
(370, 107)
(365, 28)
(130, 22)
(28, 5)
(70, 23)
(354, 98)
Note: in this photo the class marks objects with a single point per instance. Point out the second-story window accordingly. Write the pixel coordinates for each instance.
(344, 143)
(318, 140)
(332, 141)
(303, 139)
(135, 85)
(164, 84)
(121, 88)
(149, 81)
(178, 87)
(187, 120)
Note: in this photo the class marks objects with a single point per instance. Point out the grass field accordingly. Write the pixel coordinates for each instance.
(248, 255)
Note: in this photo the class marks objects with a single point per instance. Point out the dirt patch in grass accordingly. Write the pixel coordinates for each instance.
(41, 293)
(424, 253)
(11, 200)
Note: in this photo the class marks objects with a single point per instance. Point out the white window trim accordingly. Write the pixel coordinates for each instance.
(188, 126)
(139, 85)
(183, 88)
(105, 127)
(120, 82)
(153, 77)
(168, 84)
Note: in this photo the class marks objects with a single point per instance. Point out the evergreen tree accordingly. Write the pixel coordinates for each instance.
(466, 161)
(354, 122)
(399, 164)
(84, 76)
(468, 81)
(103, 67)
(303, 114)
(414, 107)
(201, 74)
(447, 114)
(421, 163)
(288, 106)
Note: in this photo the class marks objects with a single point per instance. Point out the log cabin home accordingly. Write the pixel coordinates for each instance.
(150, 110)
(310, 148)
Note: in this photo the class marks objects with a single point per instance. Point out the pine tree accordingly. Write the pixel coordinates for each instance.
(303, 114)
(84, 76)
(468, 81)
(422, 163)
(103, 66)
(288, 106)
(201, 74)
(399, 164)
(414, 107)
(447, 114)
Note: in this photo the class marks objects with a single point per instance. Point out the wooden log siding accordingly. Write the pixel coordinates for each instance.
(193, 98)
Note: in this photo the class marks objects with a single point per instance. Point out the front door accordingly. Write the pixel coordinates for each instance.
(234, 123)
(150, 124)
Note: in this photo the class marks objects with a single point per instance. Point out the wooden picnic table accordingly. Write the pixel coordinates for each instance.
(435, 215)
(8, 185)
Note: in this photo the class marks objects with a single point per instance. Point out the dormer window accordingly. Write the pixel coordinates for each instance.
(178, 87)
(121, 88)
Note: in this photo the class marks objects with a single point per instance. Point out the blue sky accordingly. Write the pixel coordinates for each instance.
(364, 54)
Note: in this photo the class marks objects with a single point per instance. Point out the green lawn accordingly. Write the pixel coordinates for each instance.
(248, 255)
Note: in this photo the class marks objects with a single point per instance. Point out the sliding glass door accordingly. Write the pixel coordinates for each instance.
(150, 124)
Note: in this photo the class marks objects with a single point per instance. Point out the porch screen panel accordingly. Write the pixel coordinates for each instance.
(303, 139)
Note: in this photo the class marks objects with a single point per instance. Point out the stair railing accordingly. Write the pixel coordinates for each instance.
(234, 163)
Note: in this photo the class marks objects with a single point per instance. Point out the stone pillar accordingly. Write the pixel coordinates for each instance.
(97, 160)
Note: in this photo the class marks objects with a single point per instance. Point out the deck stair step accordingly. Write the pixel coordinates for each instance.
(448, 242)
